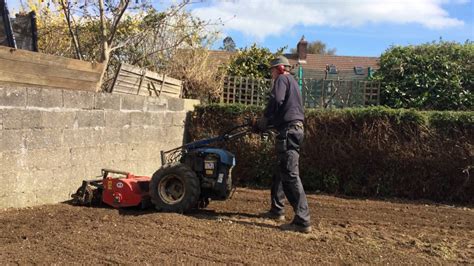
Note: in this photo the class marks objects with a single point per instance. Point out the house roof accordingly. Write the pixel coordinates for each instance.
(313, 61)
(217, 58)
(319, 62)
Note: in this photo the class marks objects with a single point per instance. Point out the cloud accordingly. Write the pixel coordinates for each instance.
(263, 18)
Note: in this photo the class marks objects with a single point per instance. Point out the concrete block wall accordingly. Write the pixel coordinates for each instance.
(53, 139)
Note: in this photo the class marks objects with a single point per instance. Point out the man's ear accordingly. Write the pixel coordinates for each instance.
(281, 69)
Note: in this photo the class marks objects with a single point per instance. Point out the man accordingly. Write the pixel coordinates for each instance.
(285, 112)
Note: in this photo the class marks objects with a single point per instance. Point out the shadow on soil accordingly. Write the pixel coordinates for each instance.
(235, 217)
(409, 201)
(202, 214)
(134, 211)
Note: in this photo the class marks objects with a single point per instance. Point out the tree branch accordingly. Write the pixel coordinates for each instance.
(103, 33)
(67, 17)
(122, 7)
(163, 48)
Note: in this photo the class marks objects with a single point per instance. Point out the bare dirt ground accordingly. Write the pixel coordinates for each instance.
(345, 231)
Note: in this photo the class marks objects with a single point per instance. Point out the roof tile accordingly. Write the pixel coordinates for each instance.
(313, 61)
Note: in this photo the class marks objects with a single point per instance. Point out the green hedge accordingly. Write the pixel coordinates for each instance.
(360, 152)
(432, 76)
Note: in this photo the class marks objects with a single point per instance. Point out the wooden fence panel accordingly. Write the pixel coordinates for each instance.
(340, 93)
(133, 80)
(316, 93)
(245, 90)
(30, 69)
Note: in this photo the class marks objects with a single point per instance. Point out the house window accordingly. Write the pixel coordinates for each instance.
(358, 70)
(332, 69)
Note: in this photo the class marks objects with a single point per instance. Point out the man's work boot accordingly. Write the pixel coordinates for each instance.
(296, 228)
(273, 216)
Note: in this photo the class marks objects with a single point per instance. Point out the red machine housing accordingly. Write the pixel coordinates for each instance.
(126, 192)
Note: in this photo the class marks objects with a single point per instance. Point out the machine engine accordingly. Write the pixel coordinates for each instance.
(214, 170)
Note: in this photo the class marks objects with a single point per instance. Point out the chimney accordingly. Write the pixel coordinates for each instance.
(301, 49)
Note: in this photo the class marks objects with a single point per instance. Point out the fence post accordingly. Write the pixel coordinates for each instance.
(34, 31)
(300, 75)
(244, 92)
(323, 92)
(7, 24)
(221, 98)
(303, 91)
(378, 93)
(234, 89)
(229, 80)
(115, 79)
(142, 77)
(251, 91)
(365, 93)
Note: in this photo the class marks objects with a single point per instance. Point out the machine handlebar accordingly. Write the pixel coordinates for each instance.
(233, 133)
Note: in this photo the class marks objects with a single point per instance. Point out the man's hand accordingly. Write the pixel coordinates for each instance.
(261, 125)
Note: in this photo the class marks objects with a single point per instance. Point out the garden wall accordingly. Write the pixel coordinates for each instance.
(52, 139)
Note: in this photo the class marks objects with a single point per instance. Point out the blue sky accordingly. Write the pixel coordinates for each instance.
(353, 27)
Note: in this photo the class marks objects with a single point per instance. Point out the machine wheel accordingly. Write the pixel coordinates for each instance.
(175, 188)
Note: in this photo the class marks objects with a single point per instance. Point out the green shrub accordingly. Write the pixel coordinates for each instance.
(373, 151)
(434, 76)
(252, 61)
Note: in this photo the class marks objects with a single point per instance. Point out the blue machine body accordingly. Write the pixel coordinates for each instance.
(225, 157)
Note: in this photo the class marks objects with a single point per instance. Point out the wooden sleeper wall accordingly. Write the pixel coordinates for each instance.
(22, 68)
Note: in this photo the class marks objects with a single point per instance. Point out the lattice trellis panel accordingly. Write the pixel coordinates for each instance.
(316, 93)
(245, 90)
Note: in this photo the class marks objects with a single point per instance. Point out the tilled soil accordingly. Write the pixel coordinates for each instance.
(344, 231)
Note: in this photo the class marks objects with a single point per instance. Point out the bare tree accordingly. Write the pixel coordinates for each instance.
(116, 31)
(107, 40)
(66, 7)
